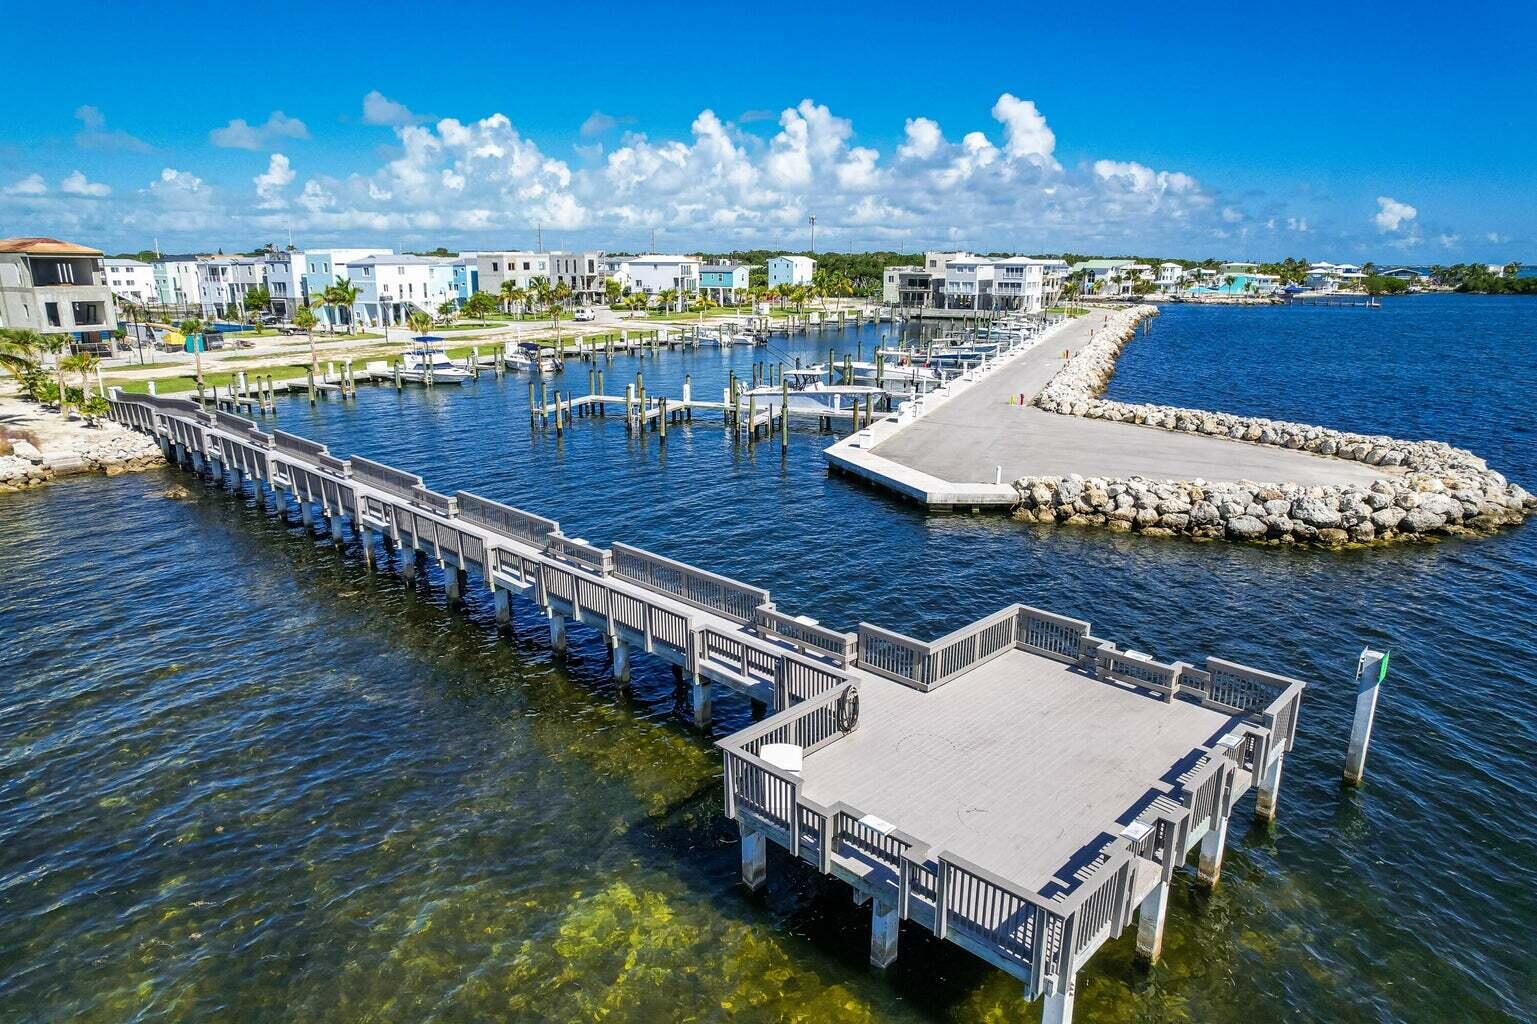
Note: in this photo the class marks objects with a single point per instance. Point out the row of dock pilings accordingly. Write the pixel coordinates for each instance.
(414, 563)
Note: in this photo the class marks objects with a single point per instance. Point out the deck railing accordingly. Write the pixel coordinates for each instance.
(506, 520)
(721, 594)
(293, 444)
(807, 637)
(432, 501)
(385, 478)
(1137, 670)
(579, 552)
(758, 793)
(1052, 636)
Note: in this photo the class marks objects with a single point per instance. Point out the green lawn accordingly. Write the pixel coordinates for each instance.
(175, 385)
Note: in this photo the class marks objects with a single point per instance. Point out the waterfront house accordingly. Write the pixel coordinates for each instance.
(132, 280)
(391, 288)
(176, 280)
(791, 270)
(907, 286)
(724, 282)
(321, 269)
(582, 272)
(285, 282)
(1106, 278)
(55, 287)
(654, 273)
(223, 282)
(1170, 276)
(517, 266)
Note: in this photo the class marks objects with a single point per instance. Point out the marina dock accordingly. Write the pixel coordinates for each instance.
(1020, 787)
(962, 447)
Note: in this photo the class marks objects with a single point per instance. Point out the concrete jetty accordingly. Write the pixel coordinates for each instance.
(1032, 433)
(1019, 787)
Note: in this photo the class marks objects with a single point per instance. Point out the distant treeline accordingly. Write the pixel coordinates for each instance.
(1477, 277)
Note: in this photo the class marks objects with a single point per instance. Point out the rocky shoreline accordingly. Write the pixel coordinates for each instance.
(43, 447)
(1428, 488)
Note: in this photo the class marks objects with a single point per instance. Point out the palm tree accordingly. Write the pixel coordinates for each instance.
(510, 293)
(612, 290)
(667, 296)
(82, 363)
(18, 350)
(193, 329)
(345, 294)
(638, 301)
(420, 322)
(305, 319)
(447, 311)
(54, 345)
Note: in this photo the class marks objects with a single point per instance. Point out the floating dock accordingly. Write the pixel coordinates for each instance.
(1019, 787)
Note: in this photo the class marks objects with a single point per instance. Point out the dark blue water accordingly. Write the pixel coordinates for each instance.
(242, 778)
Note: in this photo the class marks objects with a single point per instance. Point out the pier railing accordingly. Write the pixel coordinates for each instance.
(926, 665)
(1041, 939)
(808, 637)
(506, 520)
(691, 585)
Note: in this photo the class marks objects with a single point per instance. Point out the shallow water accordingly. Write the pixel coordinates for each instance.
(241, 778)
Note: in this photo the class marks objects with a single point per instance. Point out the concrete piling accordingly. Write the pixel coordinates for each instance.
(1371, 670)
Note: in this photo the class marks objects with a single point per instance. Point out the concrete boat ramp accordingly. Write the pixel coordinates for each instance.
(1019, 787)
(961, 450)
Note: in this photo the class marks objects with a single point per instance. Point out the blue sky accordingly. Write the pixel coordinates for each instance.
(1400, 134)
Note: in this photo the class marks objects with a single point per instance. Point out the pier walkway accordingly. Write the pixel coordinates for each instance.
(1019, 787)
(965, 451)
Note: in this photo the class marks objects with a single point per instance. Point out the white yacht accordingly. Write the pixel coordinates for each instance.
(427, 362)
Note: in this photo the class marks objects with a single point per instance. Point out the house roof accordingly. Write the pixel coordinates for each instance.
(39, 246)
(1101, 264)
(409, 261)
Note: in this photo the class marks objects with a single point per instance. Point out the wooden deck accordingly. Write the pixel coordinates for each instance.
(1020, 787)
(1023, 766)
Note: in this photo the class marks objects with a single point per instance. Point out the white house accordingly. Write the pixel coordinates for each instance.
(1170, 275)
(654, 273)
(132, 280)
(496, 268)
(790, 270)
(176, 280)
(964, 281)
(1106, 278)
(391, 288)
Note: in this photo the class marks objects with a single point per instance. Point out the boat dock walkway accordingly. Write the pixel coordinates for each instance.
(1019, 787)
(964, 449)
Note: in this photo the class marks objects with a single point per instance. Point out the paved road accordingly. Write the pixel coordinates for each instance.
(965, 439)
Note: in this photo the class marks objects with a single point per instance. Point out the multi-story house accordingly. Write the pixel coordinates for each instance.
(55, 287)
(176, 280)
(582, 272)
(724, 282)
(322, 268)
(790, 270)
(654, 273)
(224, 281)
(285, 282)
(965, 281)
(521, 268)
(132, 280)
(391, 288)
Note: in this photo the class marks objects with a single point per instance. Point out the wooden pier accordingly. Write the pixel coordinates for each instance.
(1019, 787)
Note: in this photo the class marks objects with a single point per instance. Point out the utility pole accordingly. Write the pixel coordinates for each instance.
(653, 240)
(813, 235)
(539, 233)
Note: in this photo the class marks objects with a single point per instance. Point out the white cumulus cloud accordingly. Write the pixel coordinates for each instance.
(240, 135)
(271, 182)
(77, 184)
(31, 185)
(380, 109)
(1392, 215)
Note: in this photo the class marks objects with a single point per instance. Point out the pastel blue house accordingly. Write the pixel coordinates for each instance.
(724, 282)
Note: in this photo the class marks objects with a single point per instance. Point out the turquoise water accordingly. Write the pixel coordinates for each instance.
(241, 778)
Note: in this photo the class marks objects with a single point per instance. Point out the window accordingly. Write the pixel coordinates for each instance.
(52, 309)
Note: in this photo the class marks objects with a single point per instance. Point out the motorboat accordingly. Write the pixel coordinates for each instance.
(427, 362)
(807, 391)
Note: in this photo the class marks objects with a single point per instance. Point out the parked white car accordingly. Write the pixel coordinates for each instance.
(585, 316)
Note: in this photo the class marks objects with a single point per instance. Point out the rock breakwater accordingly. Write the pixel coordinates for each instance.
(1426, 487)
